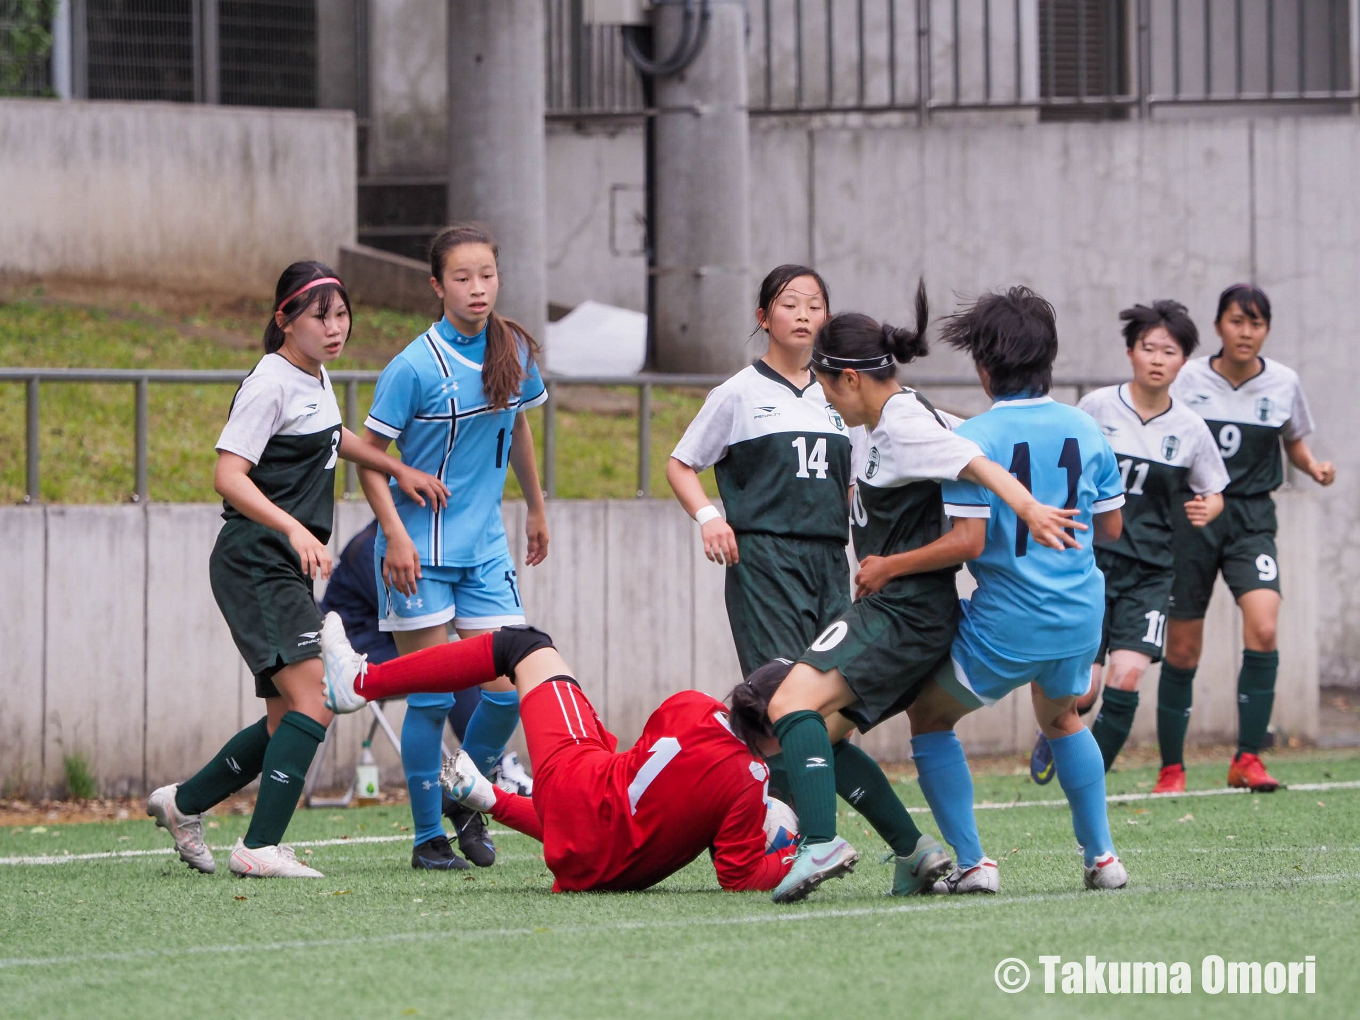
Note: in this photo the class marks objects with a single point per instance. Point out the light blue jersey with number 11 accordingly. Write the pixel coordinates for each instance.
(1034, 603)
(430, 400)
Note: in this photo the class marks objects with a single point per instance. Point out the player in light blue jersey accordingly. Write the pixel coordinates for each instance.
(453, 402)
(1036, 615)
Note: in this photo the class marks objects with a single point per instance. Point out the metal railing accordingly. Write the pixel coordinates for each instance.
(1067, 59)
(645, 383)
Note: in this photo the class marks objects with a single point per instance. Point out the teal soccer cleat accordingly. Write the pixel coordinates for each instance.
(916, 874)
(813, 864)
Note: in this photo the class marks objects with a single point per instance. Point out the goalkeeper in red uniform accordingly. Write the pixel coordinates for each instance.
(608, 821)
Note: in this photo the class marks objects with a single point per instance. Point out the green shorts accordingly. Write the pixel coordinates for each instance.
(1136, 595)
(1240, 543)
(266, 600)
(782, 593)
(889, 645)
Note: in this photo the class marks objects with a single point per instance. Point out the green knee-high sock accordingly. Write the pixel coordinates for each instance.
(239, 761)
(1255, 698)
(779, 780)
(808, 758)
(862, 783)
(286, 761)
(1112, 725)
(1173, 711)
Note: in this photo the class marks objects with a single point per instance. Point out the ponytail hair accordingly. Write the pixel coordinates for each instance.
(510, 348)
(293, 296)
(854, 340)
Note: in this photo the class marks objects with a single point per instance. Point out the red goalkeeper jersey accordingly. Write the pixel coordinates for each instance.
(627, 821)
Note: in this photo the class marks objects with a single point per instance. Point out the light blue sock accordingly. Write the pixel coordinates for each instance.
(1081, 773)
(421, 734)
(491, 727)
(942, 771)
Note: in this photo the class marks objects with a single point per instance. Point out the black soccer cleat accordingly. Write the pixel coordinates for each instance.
(473, 839)
(437, 855)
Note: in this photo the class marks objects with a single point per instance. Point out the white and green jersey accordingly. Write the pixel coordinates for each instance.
(1159, 460)
(781, 455)
(897, 505)
(286, 422)
(1248, 421)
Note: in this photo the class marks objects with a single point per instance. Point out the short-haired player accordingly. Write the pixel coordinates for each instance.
(1165, 452)
(1035, 617)
(1252, 405)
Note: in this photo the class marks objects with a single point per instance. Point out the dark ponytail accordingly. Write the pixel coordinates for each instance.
(854, 340)
(509, 346)
(292, 297)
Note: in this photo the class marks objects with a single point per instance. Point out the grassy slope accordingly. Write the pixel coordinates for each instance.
(1242, 876)
(86, 452)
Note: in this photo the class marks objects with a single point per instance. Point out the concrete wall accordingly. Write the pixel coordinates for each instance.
(1093, 216)
(115, 649)
(408, 87)
(214, 196)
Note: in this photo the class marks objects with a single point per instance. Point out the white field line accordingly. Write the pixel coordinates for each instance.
(772, 916)
(1121, 798)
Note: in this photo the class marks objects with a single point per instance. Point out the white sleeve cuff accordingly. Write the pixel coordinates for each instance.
(1102, 506)
(977, 510)
(382, 428)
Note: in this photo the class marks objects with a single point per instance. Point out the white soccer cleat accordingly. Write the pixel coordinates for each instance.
(343, 666)
(268, 862)
(510, 776)
(982, 877)
(186, 830)
(459, 776)
(1107, 873)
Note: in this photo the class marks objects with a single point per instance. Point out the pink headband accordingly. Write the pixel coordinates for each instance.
(306, 287)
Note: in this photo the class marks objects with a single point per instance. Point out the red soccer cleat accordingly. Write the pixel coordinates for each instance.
(1171, 779)
(1247, 770)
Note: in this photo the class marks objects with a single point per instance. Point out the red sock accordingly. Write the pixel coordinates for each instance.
(455, 666)
(517, 812)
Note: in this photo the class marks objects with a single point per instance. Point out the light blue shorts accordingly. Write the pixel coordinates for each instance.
(474, 598)
(985, 676)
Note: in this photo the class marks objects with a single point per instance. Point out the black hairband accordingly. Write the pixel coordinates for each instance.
(837, 364)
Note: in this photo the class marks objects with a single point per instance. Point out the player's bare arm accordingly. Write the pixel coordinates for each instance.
(1321, 471)
(963, 542)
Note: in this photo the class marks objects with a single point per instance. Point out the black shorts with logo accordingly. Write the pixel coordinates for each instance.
(1240, 542)
(266, 599)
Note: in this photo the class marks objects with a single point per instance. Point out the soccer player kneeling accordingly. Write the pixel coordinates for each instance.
(608, 821)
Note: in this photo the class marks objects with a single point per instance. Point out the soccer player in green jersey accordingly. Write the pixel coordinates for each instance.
(275, 472)
(1251, 405)
(781, 455)
(1163, 448)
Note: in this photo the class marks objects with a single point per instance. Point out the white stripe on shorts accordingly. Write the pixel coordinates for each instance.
(566, 718)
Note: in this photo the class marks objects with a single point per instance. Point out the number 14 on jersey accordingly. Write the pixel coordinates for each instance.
(816, 461)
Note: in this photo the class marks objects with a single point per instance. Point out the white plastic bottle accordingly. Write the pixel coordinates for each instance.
(366, 778)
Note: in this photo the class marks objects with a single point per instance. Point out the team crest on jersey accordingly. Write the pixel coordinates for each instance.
(836, 419)
(1263, 407)
(871, 468)
(1170, 445)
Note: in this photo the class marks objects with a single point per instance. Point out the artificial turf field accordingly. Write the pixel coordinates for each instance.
(1246, 877)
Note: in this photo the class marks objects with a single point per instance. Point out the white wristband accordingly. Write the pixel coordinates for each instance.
(705, 514)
